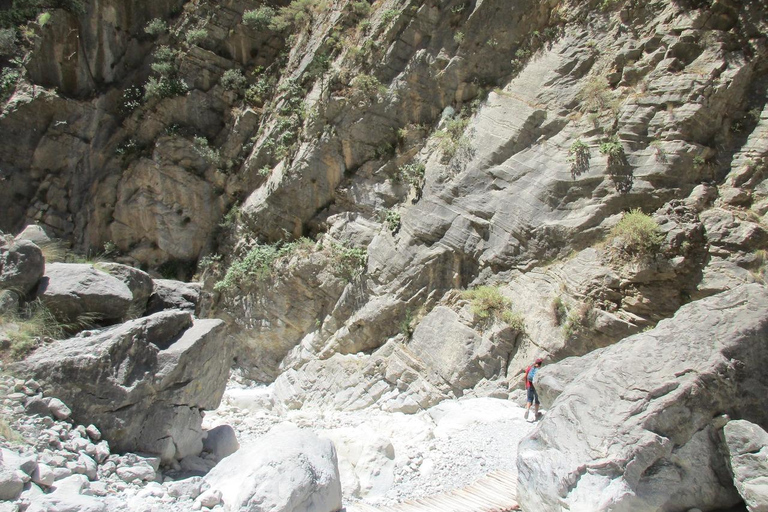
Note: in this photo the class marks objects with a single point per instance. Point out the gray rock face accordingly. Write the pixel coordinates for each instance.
(21, 265)
(172, 294)
(459, 354)
(143, 383)
(71, 290)
(634, 429)
(288, 470)
(748, 458)
(139, 282)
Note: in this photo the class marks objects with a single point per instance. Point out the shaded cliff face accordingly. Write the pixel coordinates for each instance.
(427, 145)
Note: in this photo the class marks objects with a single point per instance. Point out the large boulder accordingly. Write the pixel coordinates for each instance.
(35, 234)
(139, 282)
(634, 430)
(171, 294)
(144, 383)
(21, 265)
(72, 291)
(287, 470)
(747, 445)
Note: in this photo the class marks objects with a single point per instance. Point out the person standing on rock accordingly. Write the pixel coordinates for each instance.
(533, 397)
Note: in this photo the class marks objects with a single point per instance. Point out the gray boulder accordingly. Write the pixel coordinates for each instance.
(139, 282)
(287, 470)
(35, 234)
(634, 429)
(221, 441)
(21, 265)
(747, 445)
(74, 290)
(171, 294)
(143, 383)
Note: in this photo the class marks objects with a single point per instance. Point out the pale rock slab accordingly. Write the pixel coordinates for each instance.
(747, 445)
(287, 470)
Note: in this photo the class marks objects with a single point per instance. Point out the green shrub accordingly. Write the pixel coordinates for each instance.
(613, 149)
(360, 8)
(131, 100)
(43, 19)
(637, 233)
(164, 87)
(458, 37)
(259, 18)
(412, 174)
(390, 14)
(233, 80)
(203, 148)
(296, 14)
(348, 262)
(368, 85)
(258, 263)
(8, 80)
(578, 156)
(392, 219)
(487, 304)
(559, 311)
(196, 36)
(156, 27)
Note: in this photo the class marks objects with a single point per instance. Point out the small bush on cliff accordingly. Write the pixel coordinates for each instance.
(233, 80)
(196, 36)
(259, 18)
(487, 303)
(637, 234)
(156, 27)
(452, 137)
(296, 14)
(578, 156)
(258, 263)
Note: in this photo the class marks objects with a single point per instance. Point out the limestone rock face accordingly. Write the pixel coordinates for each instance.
(748, 450)
(288, 470)
(71, 290)
(459, 354)
(144, 383)
(634, 429)
(21, 265)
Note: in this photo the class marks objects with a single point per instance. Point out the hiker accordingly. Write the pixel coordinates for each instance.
(533, 397)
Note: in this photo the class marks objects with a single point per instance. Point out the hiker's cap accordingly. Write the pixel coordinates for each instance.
(539, 361)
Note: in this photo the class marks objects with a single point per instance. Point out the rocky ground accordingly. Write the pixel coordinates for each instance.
(60, 463)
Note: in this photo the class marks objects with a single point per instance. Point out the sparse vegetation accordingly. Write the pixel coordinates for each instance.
(388, 15)
(458, 37)
(559, 311)
(452, 138)
(578, 156)
(348, 262)
(196, 36)
(233, 80)
(22, 332)
(392, 220)
(594, 95)
(368, 85)
(259, 18)
(488, 304)
(231, 217)
(637, 234)
(613, 149)
(167, 84)
(156, 27)
(296, 14)
(413, 175)
(257, 264)
(8, 80)
(204, 149)
(580, 319)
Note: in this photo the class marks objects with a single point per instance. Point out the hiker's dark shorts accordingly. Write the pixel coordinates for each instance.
(533, 396)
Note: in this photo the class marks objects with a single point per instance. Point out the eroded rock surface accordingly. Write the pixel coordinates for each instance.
(634, 430)
(144, 384)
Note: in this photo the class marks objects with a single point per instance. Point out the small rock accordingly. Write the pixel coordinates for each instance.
(93, 432)
(11, 485)
(142, 472)
(44, 475)
(209, 498)
(59, 409)
(187, 488)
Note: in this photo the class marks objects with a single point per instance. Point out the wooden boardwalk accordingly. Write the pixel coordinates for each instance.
(495, 492)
